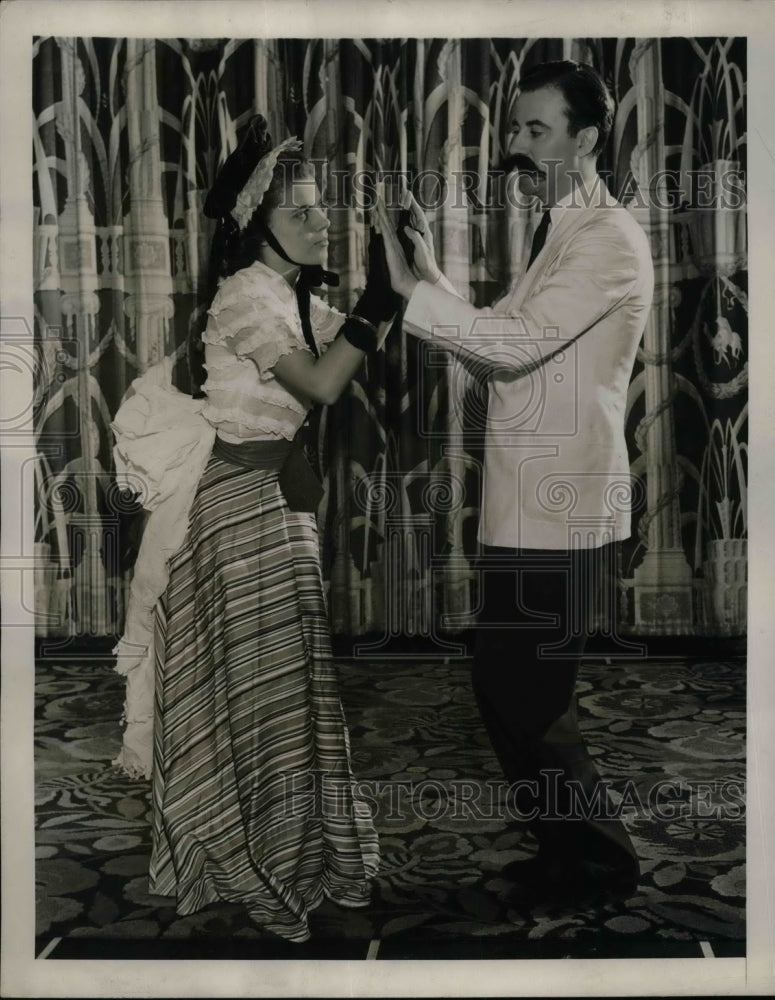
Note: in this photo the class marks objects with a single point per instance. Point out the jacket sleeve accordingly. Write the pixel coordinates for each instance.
(596, 272)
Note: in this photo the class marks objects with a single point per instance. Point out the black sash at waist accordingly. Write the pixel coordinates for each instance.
(259, 455)
(298, 483)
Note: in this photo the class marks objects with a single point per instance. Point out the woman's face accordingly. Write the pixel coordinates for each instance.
(300, 225)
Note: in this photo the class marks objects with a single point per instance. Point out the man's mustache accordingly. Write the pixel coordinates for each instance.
(520, 162)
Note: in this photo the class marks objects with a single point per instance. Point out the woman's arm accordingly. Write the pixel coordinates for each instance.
(323, 379)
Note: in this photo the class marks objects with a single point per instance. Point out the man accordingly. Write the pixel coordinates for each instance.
(562, 343)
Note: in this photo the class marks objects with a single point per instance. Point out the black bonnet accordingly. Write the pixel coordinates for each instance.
(236, 171)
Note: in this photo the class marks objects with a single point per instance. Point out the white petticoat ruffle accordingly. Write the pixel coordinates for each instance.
(162, 446)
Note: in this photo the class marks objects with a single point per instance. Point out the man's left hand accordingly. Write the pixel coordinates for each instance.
(401, 278)
(424, 265)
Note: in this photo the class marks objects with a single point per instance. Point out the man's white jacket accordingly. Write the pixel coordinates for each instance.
(556, 470)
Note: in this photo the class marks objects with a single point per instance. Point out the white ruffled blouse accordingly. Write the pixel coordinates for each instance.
(254, 321)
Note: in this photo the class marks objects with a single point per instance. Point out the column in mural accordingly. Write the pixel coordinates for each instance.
(438, 539)
(663, 580)
(82, 483)
(338, 112)
(146, 229)
(478, 83)
(54, 363)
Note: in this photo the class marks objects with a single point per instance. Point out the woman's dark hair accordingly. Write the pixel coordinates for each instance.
(589, 102)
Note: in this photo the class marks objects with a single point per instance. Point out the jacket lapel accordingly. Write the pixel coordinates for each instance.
(560, 234)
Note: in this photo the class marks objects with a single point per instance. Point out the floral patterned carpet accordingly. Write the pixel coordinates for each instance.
(669, 734)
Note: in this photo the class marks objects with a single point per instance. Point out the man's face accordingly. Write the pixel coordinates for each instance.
(546, 151)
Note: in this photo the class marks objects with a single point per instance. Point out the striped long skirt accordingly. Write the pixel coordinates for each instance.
(254, 801)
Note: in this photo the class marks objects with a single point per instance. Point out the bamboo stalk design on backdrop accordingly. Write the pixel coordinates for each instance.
(128, 135)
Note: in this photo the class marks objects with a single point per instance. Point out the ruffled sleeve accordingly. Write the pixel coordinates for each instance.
(254, 316)
(326, 321)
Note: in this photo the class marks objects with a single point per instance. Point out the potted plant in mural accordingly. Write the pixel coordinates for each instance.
(717, 221)
(723, 517)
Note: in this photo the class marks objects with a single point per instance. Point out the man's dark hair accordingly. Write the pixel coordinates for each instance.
(586, 95)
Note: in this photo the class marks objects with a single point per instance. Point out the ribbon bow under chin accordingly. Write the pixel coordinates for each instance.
(314, 275)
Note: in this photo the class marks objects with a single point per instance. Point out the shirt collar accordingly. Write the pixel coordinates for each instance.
(593, 199)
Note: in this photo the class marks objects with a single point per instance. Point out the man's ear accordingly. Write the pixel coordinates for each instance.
(586, 139)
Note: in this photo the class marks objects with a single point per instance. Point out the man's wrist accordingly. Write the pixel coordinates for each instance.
(409, 285)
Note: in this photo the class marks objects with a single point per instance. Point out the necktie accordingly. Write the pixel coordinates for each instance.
(539, 237)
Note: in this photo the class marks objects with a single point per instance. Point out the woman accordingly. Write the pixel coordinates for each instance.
(253, 796)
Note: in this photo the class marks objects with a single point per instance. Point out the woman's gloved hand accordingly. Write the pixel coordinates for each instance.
(378, 302)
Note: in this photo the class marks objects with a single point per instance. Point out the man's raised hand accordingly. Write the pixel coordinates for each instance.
(401, 278)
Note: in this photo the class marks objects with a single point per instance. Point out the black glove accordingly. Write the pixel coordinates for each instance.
(379, 302)
(404, 220)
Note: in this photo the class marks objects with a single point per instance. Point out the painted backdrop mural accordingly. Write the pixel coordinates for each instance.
(128, 136)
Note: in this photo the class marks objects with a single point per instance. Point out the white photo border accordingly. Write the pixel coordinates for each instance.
(20, 21)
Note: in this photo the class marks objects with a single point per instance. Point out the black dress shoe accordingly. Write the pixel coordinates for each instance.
(525, 870)
(584, 884)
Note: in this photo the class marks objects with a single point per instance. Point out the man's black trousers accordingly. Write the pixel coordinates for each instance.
(536, 612)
